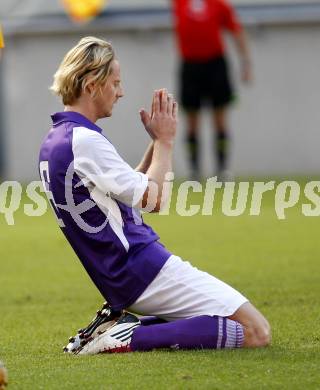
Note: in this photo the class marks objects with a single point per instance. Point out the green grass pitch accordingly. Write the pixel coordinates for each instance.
(45, 296)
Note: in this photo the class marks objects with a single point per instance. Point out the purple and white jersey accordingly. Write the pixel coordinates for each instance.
(92, 191)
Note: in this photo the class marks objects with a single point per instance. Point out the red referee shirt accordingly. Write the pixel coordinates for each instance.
(199, 25)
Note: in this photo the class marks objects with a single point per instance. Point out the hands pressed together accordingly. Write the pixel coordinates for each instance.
(161, 123)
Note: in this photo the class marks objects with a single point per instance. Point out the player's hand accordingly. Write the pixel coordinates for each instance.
(146, 120)
(161, 123)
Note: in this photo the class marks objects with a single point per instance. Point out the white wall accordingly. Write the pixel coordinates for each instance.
(26, 8)
(275, 124)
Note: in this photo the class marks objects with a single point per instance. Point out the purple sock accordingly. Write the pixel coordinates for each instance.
(203, 332)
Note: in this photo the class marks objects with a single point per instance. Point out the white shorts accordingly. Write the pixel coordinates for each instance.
(182, 291)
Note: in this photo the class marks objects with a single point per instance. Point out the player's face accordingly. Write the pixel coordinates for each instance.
(111, 91)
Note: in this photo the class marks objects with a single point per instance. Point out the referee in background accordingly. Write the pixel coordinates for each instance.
(204, 76)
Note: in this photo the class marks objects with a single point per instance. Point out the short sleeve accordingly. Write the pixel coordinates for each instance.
(98, 164)
(229, 17)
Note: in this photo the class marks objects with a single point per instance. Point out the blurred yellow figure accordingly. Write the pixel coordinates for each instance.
(1, 42)
(83, 10)
(1, 39)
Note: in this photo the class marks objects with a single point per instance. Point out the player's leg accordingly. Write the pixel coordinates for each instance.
(182, 291)
(202, 312)
(129, 334)
(202, 332)
(197, 306)
(247, 327)
(256, 328)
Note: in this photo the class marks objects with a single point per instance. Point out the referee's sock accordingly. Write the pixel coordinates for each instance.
(204, 332)
(192, 144)
(222, 150)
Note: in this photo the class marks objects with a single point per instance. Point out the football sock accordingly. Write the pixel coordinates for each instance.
(193, 152)
(204, 332)
(222, 148)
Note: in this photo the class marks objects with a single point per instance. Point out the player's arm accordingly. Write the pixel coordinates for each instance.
(146, 160)
(96, 161)
(146, 120)
(162, 126)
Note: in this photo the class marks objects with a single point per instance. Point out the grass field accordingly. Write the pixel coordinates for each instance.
(45, 296)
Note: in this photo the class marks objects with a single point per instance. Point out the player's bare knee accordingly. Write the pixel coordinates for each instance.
(266, 334)
(263, 335)
(258, 335)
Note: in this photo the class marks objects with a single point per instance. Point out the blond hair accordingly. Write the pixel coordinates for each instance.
(89, 61)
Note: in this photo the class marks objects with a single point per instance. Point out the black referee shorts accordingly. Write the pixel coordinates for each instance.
(205, 83)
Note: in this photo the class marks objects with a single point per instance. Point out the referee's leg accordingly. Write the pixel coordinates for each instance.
(257, 331)
(222, 139)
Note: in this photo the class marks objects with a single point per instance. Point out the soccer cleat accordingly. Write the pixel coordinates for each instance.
(115, 339)
(104, 319)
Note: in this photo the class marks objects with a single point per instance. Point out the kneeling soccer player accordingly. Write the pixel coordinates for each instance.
(97, 196)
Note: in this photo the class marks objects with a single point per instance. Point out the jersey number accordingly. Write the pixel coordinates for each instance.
(45, 178)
